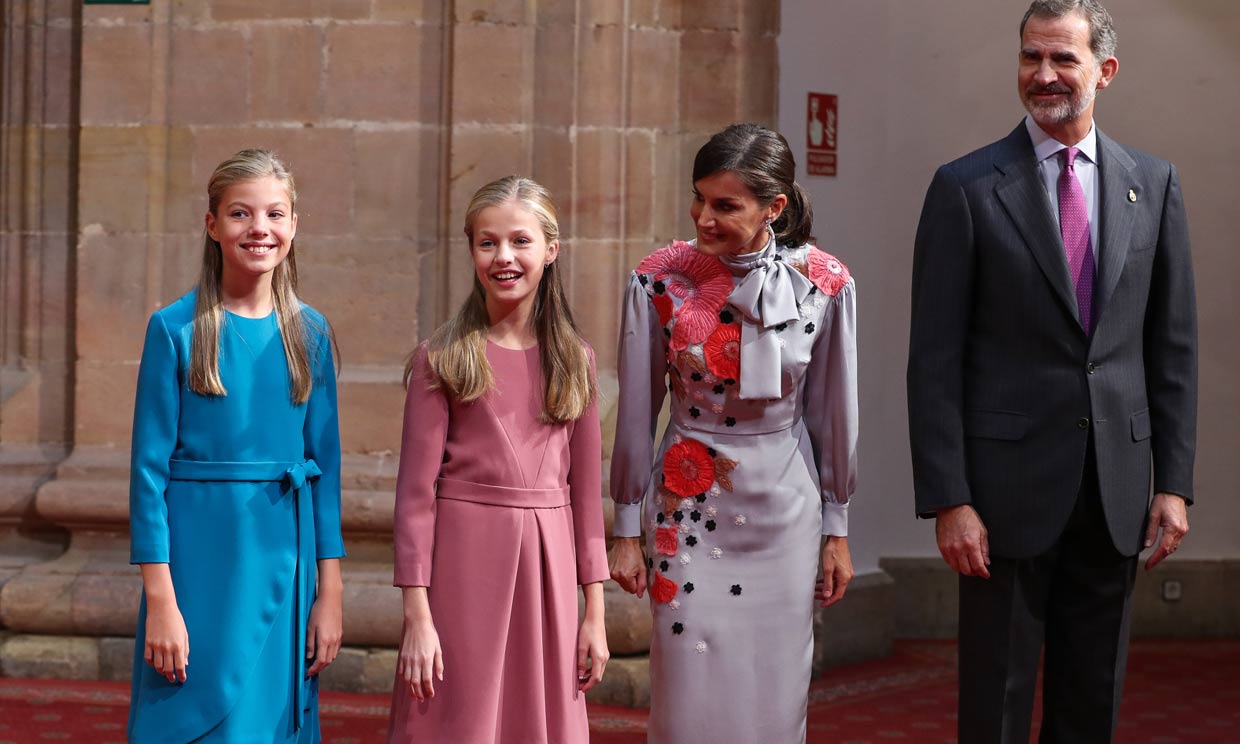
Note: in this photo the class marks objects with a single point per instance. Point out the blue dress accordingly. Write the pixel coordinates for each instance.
(240, 495)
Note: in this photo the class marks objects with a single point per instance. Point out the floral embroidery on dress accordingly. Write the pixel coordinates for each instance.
(663, 589)
(664, 307)
(826, 272)
(724, 466)
(723, 351)
(701, 282)
(666, 540)
(688, 468)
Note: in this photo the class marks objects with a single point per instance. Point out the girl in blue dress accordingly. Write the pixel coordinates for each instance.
(234, 495)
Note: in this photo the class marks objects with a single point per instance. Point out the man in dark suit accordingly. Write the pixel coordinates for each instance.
(1052, 358)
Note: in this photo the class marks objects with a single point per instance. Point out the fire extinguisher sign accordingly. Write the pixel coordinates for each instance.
(821, 134)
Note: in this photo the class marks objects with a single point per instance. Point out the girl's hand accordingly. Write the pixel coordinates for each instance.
(421, 659)
(837, 571)
(167, 640)
(324, 633)
(628, 565)
(592, 654)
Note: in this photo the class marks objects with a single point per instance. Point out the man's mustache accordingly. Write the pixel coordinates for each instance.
(1038, 90)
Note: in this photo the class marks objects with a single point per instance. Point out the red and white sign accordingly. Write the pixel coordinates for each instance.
(821, 134)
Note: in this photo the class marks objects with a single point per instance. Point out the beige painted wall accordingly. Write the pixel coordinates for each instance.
(921, 83)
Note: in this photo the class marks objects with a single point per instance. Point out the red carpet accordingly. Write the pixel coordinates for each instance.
(1178, 692)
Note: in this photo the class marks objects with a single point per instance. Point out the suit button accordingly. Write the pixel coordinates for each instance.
(1091, 368)
(1082, 423)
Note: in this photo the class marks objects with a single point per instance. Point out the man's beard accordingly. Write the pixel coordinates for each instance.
(1058, 113)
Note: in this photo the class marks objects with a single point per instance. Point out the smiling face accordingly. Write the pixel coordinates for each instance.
(728, 217)
(254, 226)
(510, 253)
(1059, 76)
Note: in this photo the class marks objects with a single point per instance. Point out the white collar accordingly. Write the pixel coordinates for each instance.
(1044, 145)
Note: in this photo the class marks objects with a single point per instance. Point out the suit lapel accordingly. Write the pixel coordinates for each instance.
(1021, 192)
(1115, 228)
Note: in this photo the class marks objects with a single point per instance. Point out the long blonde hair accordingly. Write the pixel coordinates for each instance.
(457, 349)
(204, 365)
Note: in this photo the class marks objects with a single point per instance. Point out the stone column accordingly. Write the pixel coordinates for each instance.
(390, 113)
(38, 142)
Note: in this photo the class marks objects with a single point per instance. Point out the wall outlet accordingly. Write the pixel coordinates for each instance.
(1172, 591)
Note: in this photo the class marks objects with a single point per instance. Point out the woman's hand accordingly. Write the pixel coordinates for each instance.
(628, 565)
(420, 662)
(167, 640)
(326, 628)
(592, 654)
(837, 571)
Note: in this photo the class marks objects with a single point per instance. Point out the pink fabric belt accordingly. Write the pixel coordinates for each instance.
(516, 498)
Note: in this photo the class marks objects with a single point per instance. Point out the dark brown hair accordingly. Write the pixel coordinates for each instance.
(761, 158)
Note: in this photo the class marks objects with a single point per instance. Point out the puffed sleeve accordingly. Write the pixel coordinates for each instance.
(422, 445)
(157, 407)
(831, 408)
(585, 481)
(321, 434)
(642, 371)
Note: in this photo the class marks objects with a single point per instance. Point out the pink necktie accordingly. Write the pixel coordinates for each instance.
(1074, 226)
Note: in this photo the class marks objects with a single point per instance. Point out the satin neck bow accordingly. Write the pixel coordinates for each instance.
(768, 295)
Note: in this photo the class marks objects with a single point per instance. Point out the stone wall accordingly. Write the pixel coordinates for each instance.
(390, 113)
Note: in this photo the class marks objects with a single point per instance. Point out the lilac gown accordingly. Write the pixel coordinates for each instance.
(500, 516)
(758, 461)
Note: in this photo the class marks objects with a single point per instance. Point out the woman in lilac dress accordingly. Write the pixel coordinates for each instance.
(753, 330)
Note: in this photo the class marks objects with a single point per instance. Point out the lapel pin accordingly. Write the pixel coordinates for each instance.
(1132, 195)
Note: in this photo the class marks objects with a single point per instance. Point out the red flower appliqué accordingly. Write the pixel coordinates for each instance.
(700, 281)
(723, 351)
(826, 272)
(663, 589)
(667, 540)
(663, 305)
(688, 469)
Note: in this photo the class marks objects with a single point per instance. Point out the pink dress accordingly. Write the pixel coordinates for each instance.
(500, 516)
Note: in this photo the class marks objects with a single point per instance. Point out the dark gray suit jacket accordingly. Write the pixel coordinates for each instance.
(1005, 389)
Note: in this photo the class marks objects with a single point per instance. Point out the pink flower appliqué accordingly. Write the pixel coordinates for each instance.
(700, 281)
(826, 272)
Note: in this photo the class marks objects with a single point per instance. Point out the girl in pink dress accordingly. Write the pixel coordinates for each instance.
(498, 501)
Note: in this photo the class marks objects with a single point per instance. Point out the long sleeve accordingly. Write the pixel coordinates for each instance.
(156, 410)
(642, 371)
(585, 481)
(1171, 350)
(831, 408)
(422, 446)
(941, 306)
(321, 433)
